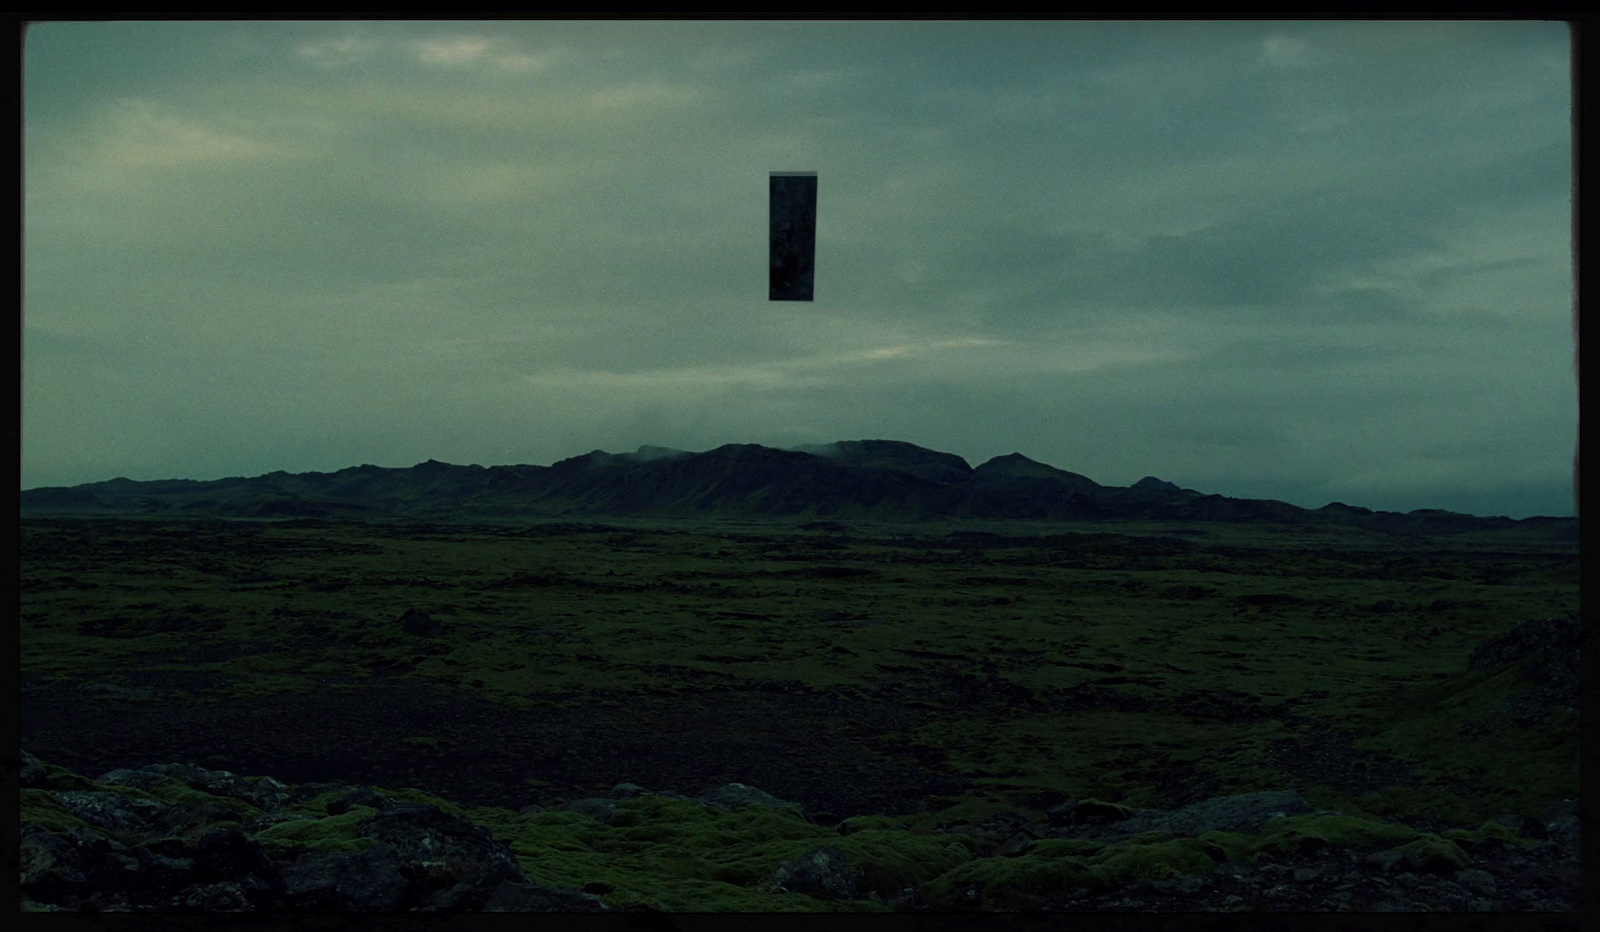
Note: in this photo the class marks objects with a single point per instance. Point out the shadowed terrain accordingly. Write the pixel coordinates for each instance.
(953, 672)
(921, 672)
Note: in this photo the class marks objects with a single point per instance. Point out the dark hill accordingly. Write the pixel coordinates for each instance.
(858, 479)
(1017, 466)
(896, 455)
(1014, 467)
(1160, 485)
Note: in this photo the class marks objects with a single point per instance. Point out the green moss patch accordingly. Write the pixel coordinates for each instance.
(1232, 846)
(672, 854)
(332, 833)
(860, 823)
(413, 795)
(1131, 862)
(1425, 802)
(1428, 853)
(677, 855)
(175, 792)
(1065, 848)
(889, 860)
(41, 808)
(1292, 835)
(60, 778)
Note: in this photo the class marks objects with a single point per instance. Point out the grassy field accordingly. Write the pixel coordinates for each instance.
(1008, 664)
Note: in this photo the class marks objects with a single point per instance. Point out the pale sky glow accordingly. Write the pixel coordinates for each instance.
(1295, 260)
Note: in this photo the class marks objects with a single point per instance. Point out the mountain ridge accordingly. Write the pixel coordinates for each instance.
(857, 479)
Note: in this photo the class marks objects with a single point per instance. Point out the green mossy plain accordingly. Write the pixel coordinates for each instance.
(1366, 631)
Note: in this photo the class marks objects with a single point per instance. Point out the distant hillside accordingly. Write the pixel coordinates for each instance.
(858, 479)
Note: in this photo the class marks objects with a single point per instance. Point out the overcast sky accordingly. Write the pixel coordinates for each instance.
(1308, 261)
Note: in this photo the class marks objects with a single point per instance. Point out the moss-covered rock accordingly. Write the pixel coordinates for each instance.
(1489, 833)
(861, 823)
(889, 860)
(1133, 861)
(1430, 853)
(1289, 836)
(42, 808)
(171, 836)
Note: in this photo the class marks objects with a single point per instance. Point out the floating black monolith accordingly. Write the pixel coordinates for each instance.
(793, 200)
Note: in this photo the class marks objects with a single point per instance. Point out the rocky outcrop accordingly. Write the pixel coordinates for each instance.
(177, 837)
(1553, 645)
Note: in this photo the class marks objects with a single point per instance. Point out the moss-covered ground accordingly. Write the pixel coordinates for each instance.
(669, 854)
(1147, 664)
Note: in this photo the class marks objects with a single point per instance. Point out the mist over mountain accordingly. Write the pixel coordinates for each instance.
(882, 480)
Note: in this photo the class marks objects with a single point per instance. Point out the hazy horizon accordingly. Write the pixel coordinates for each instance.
(1302, 261)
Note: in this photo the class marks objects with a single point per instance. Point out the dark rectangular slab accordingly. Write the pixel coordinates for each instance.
(793, 199)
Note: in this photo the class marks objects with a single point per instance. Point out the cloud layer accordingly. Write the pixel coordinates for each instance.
(1312, 261)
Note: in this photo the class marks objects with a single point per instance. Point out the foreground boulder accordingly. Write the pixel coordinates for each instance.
(824, 872)
(1554, 646)
(180, 837)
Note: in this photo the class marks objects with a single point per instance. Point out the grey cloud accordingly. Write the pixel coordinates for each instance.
(1197, 259)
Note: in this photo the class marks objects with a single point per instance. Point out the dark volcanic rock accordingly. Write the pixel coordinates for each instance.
(461, 864)
(264, 793)
(824, 872)
(1545, 638)
(127, 850)
(737, 795)
(33, 772)
(1554, 645)
(1244, 813)
(341, 880)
